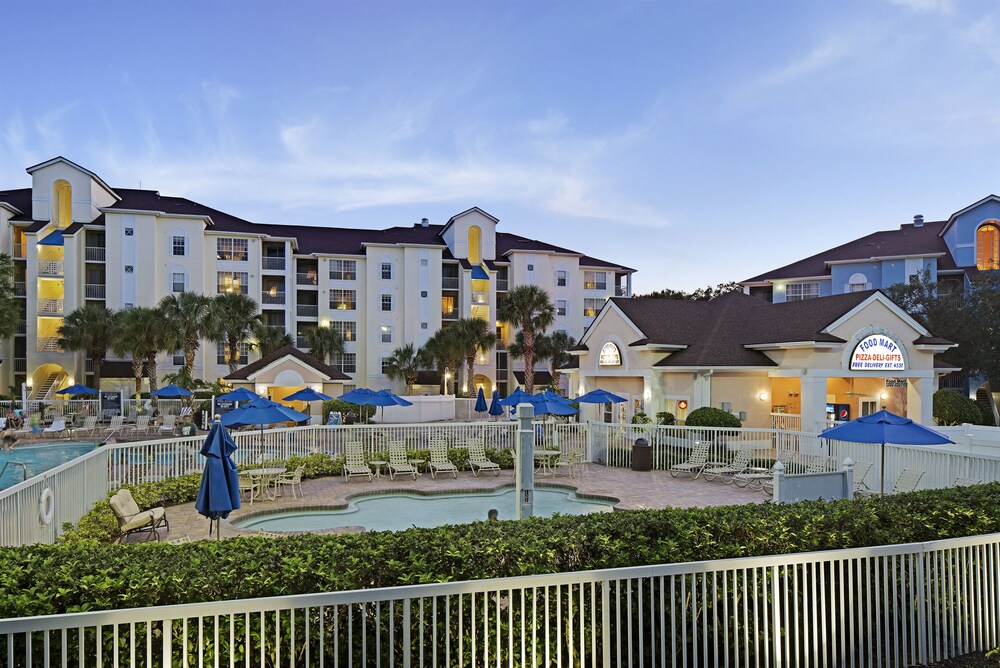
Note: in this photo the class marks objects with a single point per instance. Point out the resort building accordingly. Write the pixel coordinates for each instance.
(796, 365)
(76, 240)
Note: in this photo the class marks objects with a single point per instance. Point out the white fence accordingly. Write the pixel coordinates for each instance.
(900, 605)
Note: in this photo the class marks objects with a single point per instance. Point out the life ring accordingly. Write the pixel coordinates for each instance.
(46, 506)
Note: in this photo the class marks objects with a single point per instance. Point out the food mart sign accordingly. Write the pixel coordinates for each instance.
(877, 352)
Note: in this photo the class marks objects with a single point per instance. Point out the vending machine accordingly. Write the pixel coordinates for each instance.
(838, 412)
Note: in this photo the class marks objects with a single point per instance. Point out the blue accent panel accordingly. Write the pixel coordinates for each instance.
(53, 239)
(893, 271)
(479, 274)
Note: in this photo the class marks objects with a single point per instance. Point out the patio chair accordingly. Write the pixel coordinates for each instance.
(58, 427)
(740, 463)
(169, 424)
(695, 464)
(141, 425)
(966, 482)
(131, 520)
(397, 461)
(571, 460)
(248, 486)
(291, 479)
(354, 462)
(821, 464)
(906, 482)
(89, 425)
(439, 461)
(861, 470)
(116, 425)
(477, 458)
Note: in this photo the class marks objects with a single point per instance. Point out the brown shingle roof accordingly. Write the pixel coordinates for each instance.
(290, 351)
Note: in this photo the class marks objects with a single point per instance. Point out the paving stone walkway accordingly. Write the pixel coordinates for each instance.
(633, 489)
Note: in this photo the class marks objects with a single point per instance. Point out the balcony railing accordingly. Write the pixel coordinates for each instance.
(21, 328)
(268, 297)
(50, 268)
(501, 285)
(94, 254)
(307, 279)
(19, 252)
(273, 263)
(451, 314)
(50, 307)
(480, 297)
(20, 365)
(49, 345)
(95, 291)
(449, 283)
(307, 310)
(20, 289)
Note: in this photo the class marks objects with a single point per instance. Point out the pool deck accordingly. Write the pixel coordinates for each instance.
(633, 489)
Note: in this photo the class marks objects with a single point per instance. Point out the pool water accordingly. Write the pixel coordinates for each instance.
(395, 512)
(38, 458)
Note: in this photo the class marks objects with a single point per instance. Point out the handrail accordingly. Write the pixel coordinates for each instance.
(23, 466)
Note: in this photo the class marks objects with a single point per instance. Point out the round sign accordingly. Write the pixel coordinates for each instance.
(877, 353)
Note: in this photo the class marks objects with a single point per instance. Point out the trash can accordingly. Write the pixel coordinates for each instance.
(642, 455)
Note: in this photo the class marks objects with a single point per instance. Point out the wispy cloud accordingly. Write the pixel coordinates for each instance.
(926, 6)
(829, 52)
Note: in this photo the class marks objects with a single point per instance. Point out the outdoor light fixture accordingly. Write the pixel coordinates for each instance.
(762, 396)
(682, 404)
(883, 395)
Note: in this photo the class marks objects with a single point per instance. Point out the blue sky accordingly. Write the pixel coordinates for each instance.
(698, 142)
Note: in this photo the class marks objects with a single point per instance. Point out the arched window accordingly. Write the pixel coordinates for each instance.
(858, 282)
(475, 245)
(988, 245)
(62, 203)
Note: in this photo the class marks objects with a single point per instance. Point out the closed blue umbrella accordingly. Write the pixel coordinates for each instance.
(219, 493)
(171, 392)
(496, 408)
(516, 397)
(480, 406)
(599, 397)
(885, 427)
(78, 390)
(241, 394)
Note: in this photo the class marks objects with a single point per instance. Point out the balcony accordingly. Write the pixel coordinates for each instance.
(19, 252)
(50, 267)
(480, 297)
(49, 345)
(307, 310)
(20, 365)
(50, 307)
(449, 283)
(95, 291)
(21, 328)
(450, 314)
(20, 289)
(272, 263)
(307, 279)
(94, 254)
(268, 297)
(621, 291)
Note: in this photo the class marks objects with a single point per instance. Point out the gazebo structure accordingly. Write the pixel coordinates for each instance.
(288, 370)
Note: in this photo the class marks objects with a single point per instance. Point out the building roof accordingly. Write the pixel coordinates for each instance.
(541, 377)
(288, 351)
(909, 239)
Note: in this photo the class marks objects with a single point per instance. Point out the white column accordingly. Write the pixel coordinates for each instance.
(702, 390)
(813, 395)
(919, 400)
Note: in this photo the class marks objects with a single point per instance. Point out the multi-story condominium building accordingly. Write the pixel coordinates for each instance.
(76, 240)
(951, 250)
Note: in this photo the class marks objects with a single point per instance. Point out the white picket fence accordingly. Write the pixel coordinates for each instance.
(897, 605)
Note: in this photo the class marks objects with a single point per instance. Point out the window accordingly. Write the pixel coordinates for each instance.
(591, 307)
(561, 278)
(178, 246)
(346, 363)
(988, 246)
(858, 283)
(561, 307)
(448, 307)
(177, 358)
(343, 270)
(232, 250)
(63, 201)
(348, 330)
(220, 353)
(386, 333)
(386, 302)
(386, 365)
(475, 245)
(796, 292)
(178, 282)
(386, 271)
(595, 280)
(343, 300)
(232, 281)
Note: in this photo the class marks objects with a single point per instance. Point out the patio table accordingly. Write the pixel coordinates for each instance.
(544, 460)
(378, 464)
(266, 477)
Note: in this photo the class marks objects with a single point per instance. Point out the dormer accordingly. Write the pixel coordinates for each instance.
(973, 234)
(472, 235)
(64, 193)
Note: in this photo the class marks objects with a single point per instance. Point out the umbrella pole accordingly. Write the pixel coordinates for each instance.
(882, 474)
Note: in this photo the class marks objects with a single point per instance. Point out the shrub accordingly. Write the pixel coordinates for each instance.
(640, 417)
(951, 408)
(706, 416)
(363, 412)
(663, 417)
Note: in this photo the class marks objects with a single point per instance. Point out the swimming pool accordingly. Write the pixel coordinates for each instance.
(38, 458)
(395, 512)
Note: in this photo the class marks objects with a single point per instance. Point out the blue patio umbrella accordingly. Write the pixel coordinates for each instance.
(261, 411)
(516, 397)
(885, 427)
(171, 392)
(386, 398)
(77, 390)
(241, 394)
(357, 396)
(308, 394)
(219, 493)
(599, 397)
(495, 408)
(551, 404)
(480, 406)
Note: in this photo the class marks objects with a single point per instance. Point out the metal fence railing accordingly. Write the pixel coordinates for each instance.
(897, 605)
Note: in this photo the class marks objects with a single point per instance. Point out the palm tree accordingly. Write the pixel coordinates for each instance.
(554, 347)
(528, 308)
(404, 363)
(268, 338)
(324, 343)
(443, 353)
(185, 316)
(88, 329)
(9, 311)
(139, 333)
(230, 321)
(472, 335)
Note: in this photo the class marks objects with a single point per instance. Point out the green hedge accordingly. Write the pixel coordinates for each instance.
(68, 577)
(954, 408)
(706, 416)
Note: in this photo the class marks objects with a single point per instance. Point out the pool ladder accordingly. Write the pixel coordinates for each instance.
(15, 465)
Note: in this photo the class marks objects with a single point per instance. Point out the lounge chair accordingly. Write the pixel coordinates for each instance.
(966, 482)
(89, 425)
(740, 463)
(439, 461)
(169, 424)
(354, 462)
(58, 427)
(248, 485)
(132, 520)
(291, 479)
(116, 425)
(397, 461)
(861, 470)
(695, 464)
(141, 425)
(906, 482)
(571, 460)
(477, 458)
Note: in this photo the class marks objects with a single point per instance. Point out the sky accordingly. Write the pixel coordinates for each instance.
(696, 142)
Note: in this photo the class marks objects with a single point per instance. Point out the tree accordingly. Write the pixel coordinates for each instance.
(185, 317)
(88, 329)
(554, 347)
(230, 321)
(268, 339)
(403, 364)
(324, 343)
(442, 352)
(529, 309)
(953, 408)
(706, 416)
(472, 335)
(139, 333)
(701, 294)
(9, 311)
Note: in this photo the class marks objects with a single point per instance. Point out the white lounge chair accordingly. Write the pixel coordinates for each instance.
(58, 427)
(141, 425)
(906, 482)
(398, 465)
(169, 424)
(477, 458)
(439, 462)
(695, 464)
(740, 463)
(116, 425)
(354, 462)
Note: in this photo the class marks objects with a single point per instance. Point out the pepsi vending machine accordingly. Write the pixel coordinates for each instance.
(838, 412)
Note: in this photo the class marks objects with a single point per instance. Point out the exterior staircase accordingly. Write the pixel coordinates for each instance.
(42, 391)
(987, 404)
